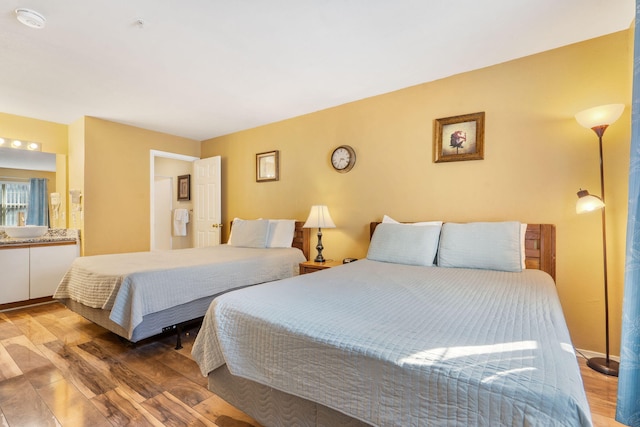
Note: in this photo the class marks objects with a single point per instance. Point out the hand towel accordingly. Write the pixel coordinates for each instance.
(180, 220)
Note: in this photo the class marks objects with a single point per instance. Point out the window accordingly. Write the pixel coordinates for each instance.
(14, 199)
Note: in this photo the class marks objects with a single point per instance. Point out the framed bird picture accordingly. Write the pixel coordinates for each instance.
(459, 138)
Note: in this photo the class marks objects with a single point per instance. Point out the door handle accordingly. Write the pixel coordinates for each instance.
(216, 225)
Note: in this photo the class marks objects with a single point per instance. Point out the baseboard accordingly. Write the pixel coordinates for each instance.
(588, 354)
(26, 303)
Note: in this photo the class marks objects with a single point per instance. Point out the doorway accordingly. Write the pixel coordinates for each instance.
(162, 211)
(159, 234)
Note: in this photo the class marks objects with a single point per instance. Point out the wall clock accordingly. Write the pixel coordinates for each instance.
(343, 158)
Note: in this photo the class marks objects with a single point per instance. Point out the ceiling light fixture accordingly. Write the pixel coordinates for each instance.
(30, 18)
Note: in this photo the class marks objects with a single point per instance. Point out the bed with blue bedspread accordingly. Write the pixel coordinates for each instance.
(457, 332)
(142, 294)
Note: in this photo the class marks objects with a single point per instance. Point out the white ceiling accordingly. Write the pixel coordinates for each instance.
(204, 68)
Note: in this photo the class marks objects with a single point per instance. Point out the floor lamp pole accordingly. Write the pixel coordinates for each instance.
(604, 364)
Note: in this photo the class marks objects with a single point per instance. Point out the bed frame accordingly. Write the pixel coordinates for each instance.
(177, 318)
(539, 245)
(301, 239)
(276, 408)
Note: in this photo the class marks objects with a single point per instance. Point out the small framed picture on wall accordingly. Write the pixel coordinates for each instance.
(267, 166)
(184, 188)
(459, 138)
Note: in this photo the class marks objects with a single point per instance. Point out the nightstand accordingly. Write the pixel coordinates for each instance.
(311, 266)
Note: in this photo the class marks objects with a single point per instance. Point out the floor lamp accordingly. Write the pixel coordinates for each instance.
(319, 218)
(598, 119)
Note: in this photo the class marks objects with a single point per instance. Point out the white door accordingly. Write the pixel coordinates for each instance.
(206, 202)
(162, 214)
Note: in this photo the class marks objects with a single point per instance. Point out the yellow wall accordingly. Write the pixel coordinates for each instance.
(536, 159)
(110, 164)
(117, 182)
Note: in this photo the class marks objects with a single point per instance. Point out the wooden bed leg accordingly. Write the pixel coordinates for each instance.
(178, 337)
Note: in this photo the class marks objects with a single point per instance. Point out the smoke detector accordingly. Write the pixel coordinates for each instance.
(30, 18)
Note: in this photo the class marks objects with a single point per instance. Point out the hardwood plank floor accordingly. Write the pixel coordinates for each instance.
(58, 369)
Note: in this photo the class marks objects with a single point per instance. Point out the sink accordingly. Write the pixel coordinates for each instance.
(27, 231)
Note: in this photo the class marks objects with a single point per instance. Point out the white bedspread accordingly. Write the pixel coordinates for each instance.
(398, 345)
(132, 285)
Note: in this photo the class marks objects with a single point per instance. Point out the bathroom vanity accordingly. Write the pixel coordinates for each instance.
(31, 268)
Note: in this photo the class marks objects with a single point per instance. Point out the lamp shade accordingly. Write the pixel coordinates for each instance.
(587, 202)
(319, 218)
(603, 115)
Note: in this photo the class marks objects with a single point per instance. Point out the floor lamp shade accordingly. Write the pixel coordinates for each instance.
(587, 202)
(598, 119)
(603, 115)
(319, 218)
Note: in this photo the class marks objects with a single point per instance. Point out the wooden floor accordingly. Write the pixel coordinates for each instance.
(58, 369)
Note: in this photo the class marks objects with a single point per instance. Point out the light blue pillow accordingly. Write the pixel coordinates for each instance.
(482, 245)
(404, 244)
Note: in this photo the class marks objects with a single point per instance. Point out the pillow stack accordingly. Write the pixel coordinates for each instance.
(262, 233)
(480, 245)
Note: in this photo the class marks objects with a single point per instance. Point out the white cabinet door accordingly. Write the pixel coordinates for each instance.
(14, 275)
(48, 266)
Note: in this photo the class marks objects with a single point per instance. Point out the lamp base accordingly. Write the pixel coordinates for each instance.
(319, 247)
(603, 366)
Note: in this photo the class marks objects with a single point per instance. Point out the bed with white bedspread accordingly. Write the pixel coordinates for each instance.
(124, 291)
(391, 344)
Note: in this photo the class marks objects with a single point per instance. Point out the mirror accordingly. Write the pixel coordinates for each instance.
(12, 158)
(20, 165)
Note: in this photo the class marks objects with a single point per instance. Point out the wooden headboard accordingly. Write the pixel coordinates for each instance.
(539, 245)
(301, 239)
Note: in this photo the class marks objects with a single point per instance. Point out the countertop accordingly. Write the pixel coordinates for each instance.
(54, 235)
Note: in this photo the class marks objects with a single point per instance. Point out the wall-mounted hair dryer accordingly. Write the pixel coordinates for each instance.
(55, 204)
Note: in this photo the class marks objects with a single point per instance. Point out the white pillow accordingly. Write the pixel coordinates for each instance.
(482, 245)
(249, 233)
(281, 233)
(388, 220)
(404, 244)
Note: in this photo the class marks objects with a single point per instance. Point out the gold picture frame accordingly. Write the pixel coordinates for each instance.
(268, 166)
(459, 138)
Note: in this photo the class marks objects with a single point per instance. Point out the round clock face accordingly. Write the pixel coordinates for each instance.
(343, 158)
